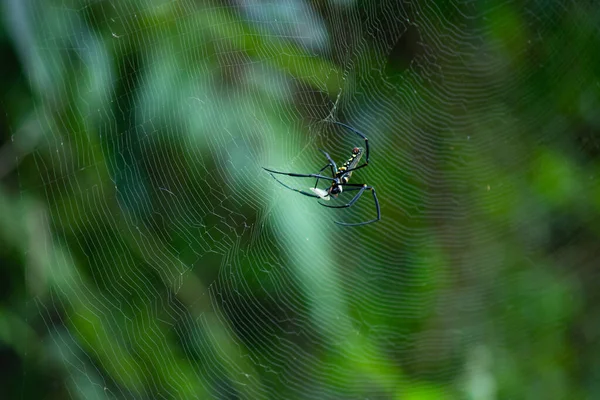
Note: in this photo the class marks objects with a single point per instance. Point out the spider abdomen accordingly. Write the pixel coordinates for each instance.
(351, 163)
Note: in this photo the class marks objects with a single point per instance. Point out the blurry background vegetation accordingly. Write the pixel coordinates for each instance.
(146, 254)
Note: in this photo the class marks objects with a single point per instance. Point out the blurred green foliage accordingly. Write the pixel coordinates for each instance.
(146, 254)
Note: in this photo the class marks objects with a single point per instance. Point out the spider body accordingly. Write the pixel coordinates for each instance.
(350, 164)
(342, 176)
(339, 179)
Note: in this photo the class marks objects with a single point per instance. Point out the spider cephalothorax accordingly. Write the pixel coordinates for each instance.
(339, 179)
(335, 189)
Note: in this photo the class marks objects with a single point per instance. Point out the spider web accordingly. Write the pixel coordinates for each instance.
(168, 264)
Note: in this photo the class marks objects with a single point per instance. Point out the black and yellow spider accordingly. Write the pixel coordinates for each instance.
(339, 179)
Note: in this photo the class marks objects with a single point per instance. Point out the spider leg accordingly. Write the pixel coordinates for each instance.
(370, 221)
(354, 200)
(346, 189)
(299, 175)
(359, 134)
(351, 202)
(353, 169)
(322, 169)
(333, 165)
(295, 190)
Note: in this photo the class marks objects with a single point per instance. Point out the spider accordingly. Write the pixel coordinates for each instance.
(339, 179)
